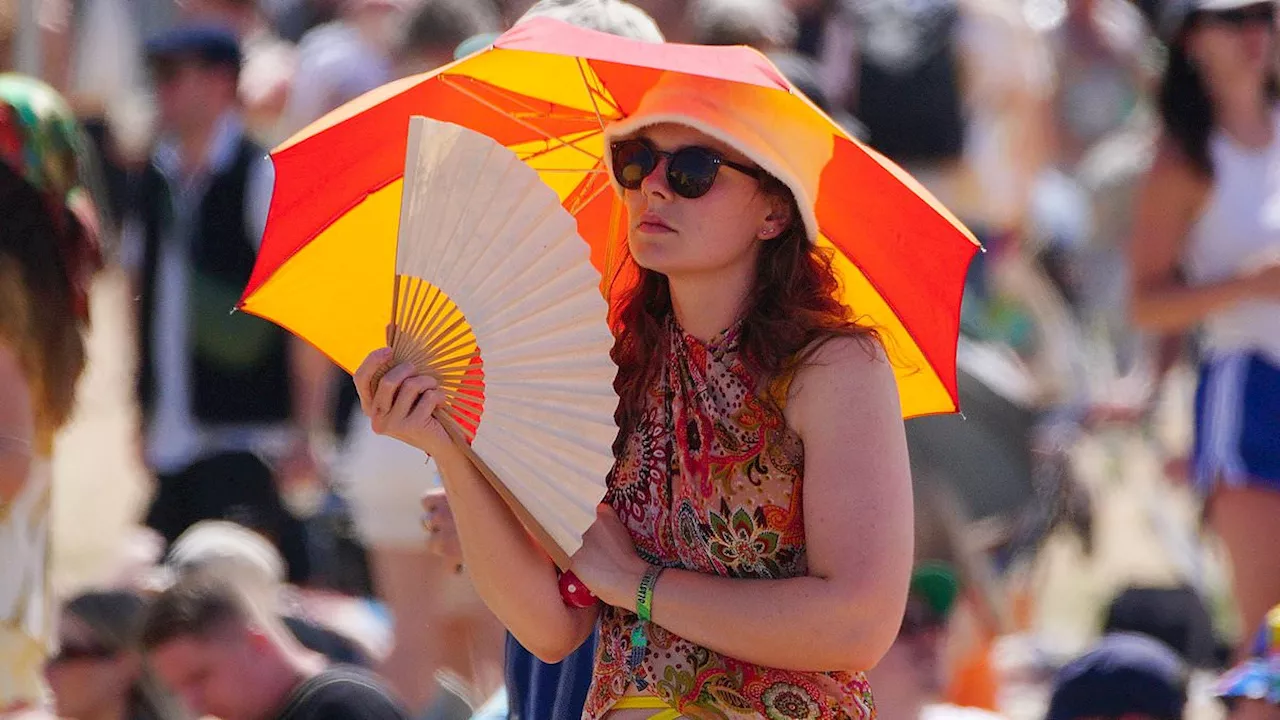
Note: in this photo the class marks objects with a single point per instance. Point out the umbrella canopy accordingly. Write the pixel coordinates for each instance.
(547, 90)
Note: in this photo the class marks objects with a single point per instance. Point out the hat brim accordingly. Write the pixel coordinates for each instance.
(720, 124)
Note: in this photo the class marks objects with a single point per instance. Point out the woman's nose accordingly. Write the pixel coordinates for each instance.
(655, 183)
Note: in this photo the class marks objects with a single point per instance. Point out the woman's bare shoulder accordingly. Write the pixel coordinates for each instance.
(842, 372)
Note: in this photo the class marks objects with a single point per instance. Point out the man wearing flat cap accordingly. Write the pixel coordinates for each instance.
(220, 409)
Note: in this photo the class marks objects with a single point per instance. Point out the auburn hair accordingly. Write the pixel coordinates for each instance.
(792, 309)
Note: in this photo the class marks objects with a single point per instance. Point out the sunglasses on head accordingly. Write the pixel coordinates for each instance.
(1242, 16)
(72, 653)
(691, 171)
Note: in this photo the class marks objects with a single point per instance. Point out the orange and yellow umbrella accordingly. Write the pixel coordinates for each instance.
(546, 90)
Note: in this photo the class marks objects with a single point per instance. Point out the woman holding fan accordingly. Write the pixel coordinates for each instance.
(754, 552)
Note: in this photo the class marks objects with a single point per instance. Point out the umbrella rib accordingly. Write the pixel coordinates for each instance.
(527, 125)
(591, 93)
(547, 150)
(546, 115)
(530, 109)
(597, 89)
(581, 202)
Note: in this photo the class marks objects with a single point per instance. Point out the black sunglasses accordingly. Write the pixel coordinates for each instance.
(72, 653)
(1241, 16)
(691, 171)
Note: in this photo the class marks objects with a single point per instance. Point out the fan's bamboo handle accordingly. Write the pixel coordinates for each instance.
(526, 518)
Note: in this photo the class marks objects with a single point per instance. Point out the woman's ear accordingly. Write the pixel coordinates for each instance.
(781, 215)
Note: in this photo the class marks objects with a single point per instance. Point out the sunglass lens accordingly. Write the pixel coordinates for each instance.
(692, 172)
(632, 163)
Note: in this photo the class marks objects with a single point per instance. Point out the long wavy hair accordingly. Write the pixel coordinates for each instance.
(793, 308)
(1185, 107)
(37, 305)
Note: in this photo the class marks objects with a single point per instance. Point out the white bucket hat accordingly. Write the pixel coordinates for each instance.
(794, 148)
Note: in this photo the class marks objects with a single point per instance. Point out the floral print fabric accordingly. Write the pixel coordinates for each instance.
(711, 481)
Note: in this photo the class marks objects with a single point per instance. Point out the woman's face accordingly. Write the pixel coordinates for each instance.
(83, 676)
(1234, 45)
(717, 232)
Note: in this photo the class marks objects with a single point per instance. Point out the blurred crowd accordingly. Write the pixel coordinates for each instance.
(1034, 121)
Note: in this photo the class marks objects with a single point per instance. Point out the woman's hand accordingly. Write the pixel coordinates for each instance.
(402, 403)
(607, 561)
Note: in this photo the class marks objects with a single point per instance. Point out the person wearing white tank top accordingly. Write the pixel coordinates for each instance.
(1206, 259)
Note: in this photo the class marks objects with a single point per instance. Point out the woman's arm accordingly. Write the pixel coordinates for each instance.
(17, 426)
(513, 576)
(1168, 205)
(858, 524)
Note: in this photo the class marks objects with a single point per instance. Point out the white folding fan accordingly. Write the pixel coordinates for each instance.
(495, 296)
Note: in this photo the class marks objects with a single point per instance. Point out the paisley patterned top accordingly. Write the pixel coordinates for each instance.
(710, 481)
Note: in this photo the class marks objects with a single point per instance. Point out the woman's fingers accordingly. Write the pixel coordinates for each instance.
(410, 392)
(384, 395)
(431, 399)
(363, 377)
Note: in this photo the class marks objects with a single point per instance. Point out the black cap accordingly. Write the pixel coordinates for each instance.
(213, 44)
(1124, 674)
(1177, 616)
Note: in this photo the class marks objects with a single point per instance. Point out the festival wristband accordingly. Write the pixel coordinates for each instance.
(644, 595)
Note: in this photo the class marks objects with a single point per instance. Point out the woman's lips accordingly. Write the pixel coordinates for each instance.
(651, 223)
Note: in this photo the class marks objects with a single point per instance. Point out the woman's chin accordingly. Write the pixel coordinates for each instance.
(655, 256)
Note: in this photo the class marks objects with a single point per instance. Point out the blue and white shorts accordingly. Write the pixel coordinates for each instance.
(1237, 423)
